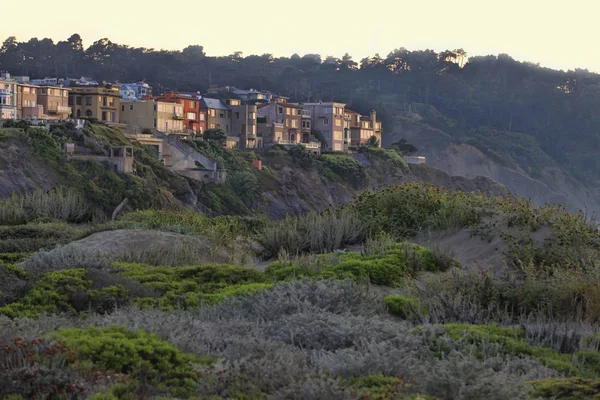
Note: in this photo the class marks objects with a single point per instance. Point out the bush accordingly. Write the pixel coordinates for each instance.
(188, 287)
(405, 307)
(390, 268)
(62, 204)
(566, 389)
(313, 232)
(141, 354)
(346, 168)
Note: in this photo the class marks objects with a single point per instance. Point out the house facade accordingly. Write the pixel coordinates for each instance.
(163, 116)
(243, 125)
(54, 101)
(102, 102)
(135, 91)
(194, 117)
(8, 96)
(362, 128)
(328, 118)
(289, 116)
(27, 102)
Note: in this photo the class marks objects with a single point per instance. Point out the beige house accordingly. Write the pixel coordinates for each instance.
(8, 96)
(102, 102)
(163, 116)
(27, 102)
(328, 118)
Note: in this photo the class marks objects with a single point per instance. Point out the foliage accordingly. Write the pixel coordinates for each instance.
(313, 232)
(489, 339)
(390, 268)
(217, 135)
(61, 203)
(346, 168)
(403, 147)
(404, 307)
(188, 287)
(389, 159)
(567, 389)
(138, 353)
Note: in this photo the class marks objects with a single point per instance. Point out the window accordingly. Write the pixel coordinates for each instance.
(326, 134)
(154, 122)
(327, 110)
(131, 107)
(212, 126)
(44, 91)
(338, 122)
(191, 115)
(252, 116)
(325, 121)
(201, 117)
(280, 110)
(112, 116)
(26, 90)
(88, 101)
(294, 123)
(337, 147)
(78, 100)
(192, 104)
(218, 126)
(221, 114)
(155, 107)
(212, 113)
(237, 115)
(123, 108)
(103, 115)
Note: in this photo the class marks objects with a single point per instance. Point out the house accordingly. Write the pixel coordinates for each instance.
(242, 125)
(154, 114)
(102, 102)
(8, 96)
(54, 101)
(195, 118)
(328, 119)
(362, 128)
(27, 102)
(288, 116)
(135, 91)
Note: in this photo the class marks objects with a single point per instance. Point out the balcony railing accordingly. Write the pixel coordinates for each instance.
(5, 92)
(310, 145)
(54, 109)
(305, 113)
(178, 116)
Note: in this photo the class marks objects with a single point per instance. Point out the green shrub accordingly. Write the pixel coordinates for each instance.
(377, 386)
(390, 268)
(12, 258)
(138, 353)
(346, 168)
(512, 342)
(405, 307)
(575, 388)
(192, 286)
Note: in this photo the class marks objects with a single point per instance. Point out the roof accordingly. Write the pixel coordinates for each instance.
(213, 103)
(349, 111)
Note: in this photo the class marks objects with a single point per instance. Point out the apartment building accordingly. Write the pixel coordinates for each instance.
(195, 117)
(289, 116)
(328, 118)
(8, 96)
(362, 128)
(135, 91)
(27, 102)
(102, 102)
(243, 125)
(54, 101)
(163, 116)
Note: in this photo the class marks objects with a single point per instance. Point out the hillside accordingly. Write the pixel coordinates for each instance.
(290, 182)
(512, 159)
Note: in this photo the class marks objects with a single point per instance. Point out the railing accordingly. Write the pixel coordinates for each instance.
(178, 116)
(59, 109)
(310, 145)
(305, 113)
(5, 92)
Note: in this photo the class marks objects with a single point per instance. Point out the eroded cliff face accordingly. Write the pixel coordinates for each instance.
(21, 172)
(552, 184)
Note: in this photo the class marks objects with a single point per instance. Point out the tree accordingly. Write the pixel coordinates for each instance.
(216, 135)
(403, 147)
(373, 141)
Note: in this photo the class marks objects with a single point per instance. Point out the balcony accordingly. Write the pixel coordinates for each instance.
(55, 109)
(178, 116)
(305, 113)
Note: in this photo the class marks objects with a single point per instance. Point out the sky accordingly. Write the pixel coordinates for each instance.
(558, 35)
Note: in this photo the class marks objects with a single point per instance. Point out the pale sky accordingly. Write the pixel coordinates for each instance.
(560, 35)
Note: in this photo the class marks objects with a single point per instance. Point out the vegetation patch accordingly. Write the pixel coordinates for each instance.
(574, 388)
(188, 287)
(405, 307)
(137, 353)
(390, 268)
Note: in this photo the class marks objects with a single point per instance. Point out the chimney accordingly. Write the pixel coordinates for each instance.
(373, 118)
